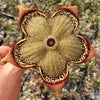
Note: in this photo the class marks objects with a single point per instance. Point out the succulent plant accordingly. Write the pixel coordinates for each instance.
(50, 44)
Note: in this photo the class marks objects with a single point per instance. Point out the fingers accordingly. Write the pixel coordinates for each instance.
(3, 51)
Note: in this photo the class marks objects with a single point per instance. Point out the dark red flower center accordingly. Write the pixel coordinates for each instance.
(50, 42)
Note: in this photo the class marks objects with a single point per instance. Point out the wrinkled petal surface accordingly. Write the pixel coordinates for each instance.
(74, 48)
(28, 52)
(53, 67)
(63, 23)
(35, 25)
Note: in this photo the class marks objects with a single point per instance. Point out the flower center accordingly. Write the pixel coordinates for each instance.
(50, 42)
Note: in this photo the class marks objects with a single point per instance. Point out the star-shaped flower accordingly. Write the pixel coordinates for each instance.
(50, 44)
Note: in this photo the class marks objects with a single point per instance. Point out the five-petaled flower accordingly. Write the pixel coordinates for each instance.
(50, 44)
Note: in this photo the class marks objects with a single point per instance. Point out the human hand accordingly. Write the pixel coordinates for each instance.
(10, 78)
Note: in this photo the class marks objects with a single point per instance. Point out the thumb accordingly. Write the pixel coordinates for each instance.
(3, 51)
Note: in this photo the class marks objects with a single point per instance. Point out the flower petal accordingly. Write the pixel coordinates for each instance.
(56, 86)
(53, 67)
(27, 53)
(74, 48)
(34, 23)
(92, 52)
(23, 11)
(64, 22)
(53, 70)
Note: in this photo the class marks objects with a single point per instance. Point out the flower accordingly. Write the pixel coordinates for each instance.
(50, 44)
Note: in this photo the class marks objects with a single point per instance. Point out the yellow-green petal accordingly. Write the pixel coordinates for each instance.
(63, 23)
(35, 25)
(73, 48)
(28, 52)
(53, 67)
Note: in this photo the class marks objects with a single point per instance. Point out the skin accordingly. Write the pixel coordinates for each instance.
(10, 78)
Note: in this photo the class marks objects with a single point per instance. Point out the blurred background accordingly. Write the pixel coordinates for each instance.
(84, 79)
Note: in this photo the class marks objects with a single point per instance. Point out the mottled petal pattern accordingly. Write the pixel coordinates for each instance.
(53, 67)
(35, 25)
(27, 53)
(74, 48)
(63, 23)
